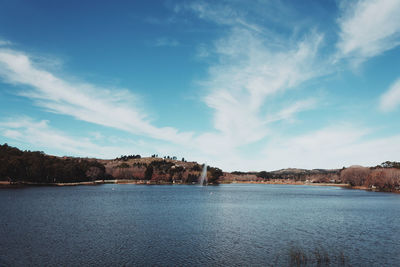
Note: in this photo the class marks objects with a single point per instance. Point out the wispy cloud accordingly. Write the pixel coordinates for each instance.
(26, 130)
(334, 146)
(368, 28)
(248, 72)
(390, 100)
(5, 42)
(253, 70)
(252, 66)
(164, 41)
(219, 13)
(113, 108)
(292, 109)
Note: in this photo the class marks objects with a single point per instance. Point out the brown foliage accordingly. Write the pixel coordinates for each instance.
(382, 179)
(355, 176)
(387, 179)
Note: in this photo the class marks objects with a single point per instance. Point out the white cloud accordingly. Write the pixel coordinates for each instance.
(39, 134)
(219, 13)
(331, 147)
(248, 72)
(250, 69)
(12, 134)
(368, 28)
(253, 70)
(113, 108)
(391, 98)
(28, 133)
(292, 109)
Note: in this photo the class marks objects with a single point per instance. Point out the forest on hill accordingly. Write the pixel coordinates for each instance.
(37, 167)
(18, 166)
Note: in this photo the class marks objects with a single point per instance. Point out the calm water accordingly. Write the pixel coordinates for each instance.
(234, 225)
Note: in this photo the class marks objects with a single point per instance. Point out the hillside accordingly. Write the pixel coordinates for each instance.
(315, 175)
(158, 170)
(18, 166)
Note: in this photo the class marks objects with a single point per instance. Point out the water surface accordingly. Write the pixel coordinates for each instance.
(234, 225)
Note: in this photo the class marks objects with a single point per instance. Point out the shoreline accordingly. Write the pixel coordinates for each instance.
(280, 182)
(7, 184)
(288, 183)
(96, 182)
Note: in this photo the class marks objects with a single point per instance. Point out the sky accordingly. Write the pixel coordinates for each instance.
(241, 85)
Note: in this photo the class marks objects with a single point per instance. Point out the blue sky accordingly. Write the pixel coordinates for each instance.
(242, 85)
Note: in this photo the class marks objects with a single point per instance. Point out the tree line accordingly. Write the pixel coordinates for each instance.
(128, 157)
(36, 167)
(379, 178)
(383, 177)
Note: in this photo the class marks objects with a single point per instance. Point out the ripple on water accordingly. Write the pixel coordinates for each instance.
(231, 225)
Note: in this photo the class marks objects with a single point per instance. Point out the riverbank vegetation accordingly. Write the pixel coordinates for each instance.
(18, 166)
(36, 167)
(384, 177)
(379, 178)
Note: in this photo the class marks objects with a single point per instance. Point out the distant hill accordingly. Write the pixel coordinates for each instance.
(159, 170)
(316, 175)
(384, 177)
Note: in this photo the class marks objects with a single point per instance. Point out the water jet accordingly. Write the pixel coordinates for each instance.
(203, 176)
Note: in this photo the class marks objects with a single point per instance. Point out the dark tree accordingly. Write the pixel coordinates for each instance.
(149, 173)
(390, 164)
(264, 175)
(36, 167)
(215, 174)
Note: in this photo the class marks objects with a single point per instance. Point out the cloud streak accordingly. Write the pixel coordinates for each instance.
(248, 74)
(112, 108)
(292, 109)
(334, 146)
(390, 100)
(26, 130)
(220, 14)
(368, 28)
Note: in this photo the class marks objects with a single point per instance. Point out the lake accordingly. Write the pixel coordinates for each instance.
(169, 225)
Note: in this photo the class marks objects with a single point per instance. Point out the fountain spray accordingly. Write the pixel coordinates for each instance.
(203, 176)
